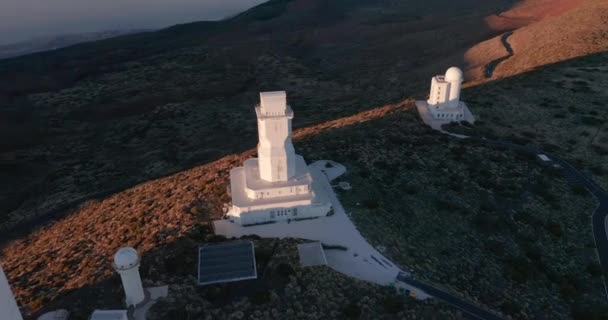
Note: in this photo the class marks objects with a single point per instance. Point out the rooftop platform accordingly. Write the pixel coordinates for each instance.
(311, 254)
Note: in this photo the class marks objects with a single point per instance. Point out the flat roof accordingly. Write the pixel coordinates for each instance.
(311, 254)
(254, 182)
(109, 315)
(543, 157)
(226, 262)
(238, 181)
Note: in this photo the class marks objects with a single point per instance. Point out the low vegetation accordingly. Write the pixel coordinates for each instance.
(491, 225)
(560, 108)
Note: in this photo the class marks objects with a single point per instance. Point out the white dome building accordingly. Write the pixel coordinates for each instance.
(126, 263)
(444, 105)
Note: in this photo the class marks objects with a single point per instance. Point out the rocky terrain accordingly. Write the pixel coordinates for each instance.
(560, 108)
(521, 232)
(90, 120)
(488, 224)
(544, 32)
(287, 291)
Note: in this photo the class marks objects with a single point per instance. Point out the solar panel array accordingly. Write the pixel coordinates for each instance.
(226, 262)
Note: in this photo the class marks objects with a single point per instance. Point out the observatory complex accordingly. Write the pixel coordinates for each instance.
(277, 185)
(444, 105)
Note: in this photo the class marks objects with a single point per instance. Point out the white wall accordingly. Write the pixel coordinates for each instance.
(8, 306)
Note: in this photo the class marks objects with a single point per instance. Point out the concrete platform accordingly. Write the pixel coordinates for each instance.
(425, 115)
(360, 260)
(152, 295)
(311, 254)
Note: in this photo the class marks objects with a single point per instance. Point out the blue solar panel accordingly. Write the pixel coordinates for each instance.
(226, 262)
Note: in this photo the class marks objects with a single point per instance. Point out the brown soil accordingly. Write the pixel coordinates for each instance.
(546, 32)
(76, 251)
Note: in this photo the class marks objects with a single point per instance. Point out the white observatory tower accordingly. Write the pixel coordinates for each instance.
(8, 306)
(126, 263)
(445, 90)
(277, 157)
(444, 105)
(278, 185)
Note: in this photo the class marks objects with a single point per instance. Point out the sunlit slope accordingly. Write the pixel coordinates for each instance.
(545, 32)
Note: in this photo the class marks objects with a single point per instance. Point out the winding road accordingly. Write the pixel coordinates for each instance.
(599, 218)
(473, 311)
(574, 177)
(490, 67)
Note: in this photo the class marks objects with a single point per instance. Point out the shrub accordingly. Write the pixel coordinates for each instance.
(261, 297)
(370, 203)
(510, 307)
(215, 238)
(594, 269)
(554, 228)
(591, 121)
(351, 311)
(519, 269)
(392, 304)
(578, 190)
(597, 170)
(262, 255)
(568, 289)
(581, 311)
(284, 270)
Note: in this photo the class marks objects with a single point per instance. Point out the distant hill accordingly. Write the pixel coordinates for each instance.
(56, 42)
(544, 32)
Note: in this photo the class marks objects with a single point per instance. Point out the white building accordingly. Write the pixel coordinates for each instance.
(443, 105)
(444, 98)
(126, 263)
(109, 315)
(277, 185)
(8, 306)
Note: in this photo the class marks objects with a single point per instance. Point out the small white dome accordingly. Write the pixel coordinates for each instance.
(453, 74)
(126, 258)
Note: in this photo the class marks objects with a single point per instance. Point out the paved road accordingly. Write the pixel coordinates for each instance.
(574, 177)
(471, 310)
(599, 221)
(490, 67)
(599, 218)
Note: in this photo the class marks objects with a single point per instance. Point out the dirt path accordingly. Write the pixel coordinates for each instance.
(490, 67)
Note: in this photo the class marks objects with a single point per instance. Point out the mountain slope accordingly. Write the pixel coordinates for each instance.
(56, 42)
(96, 118)
(545, 32)
(146, 128)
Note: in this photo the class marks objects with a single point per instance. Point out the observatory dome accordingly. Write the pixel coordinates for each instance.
(126, 258)
(453, 74)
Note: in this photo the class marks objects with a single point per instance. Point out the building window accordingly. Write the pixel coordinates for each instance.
(295, 211)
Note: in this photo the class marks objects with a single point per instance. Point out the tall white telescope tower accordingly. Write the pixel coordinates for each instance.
(126, 263)
(277, 157)
(8, 306)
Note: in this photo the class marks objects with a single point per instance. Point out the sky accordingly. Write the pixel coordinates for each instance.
(26, 19)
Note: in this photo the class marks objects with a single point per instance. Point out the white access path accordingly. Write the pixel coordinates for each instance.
(361, 260)
(8, 306)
